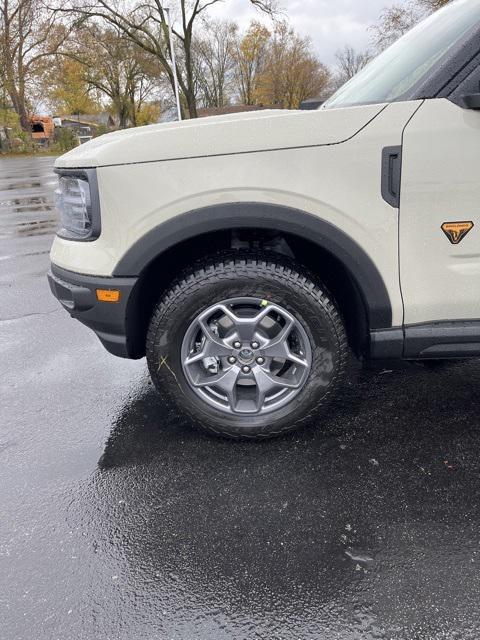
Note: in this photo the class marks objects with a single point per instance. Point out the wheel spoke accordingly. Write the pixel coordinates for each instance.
(209, 350)
(246, 328)
(213, 346)
(228, 384)
(278, 347)
(224, 380)
(196, 357)
(292, 357)
(264, 385)
(267, 382)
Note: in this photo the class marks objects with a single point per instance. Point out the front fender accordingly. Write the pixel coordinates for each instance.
(266, 216)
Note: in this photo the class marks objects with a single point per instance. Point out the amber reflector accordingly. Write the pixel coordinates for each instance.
(108, 295)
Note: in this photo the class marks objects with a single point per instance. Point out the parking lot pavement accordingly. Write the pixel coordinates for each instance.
(119, 521)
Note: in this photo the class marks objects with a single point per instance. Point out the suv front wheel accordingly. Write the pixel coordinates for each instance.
(247, 346)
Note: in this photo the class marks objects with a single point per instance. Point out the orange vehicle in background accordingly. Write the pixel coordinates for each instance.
(43, 129)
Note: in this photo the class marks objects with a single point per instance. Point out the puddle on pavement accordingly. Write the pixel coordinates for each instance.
(26, 197)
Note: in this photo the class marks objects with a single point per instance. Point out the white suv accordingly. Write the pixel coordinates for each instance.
(247, 255)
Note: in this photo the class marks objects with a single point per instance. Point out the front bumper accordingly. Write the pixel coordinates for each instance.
(77, 294)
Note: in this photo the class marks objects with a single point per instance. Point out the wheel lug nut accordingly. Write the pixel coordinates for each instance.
(246, 369)
(237, 345)
(255, 345)
(232, 359)
(260, 360)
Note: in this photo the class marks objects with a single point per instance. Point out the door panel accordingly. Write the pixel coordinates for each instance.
(440, 184)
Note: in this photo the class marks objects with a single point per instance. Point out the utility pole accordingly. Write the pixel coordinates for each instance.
(174, 64)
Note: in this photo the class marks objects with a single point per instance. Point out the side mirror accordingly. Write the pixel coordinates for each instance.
(471, 101)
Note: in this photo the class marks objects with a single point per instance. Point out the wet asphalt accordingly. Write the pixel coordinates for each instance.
(119, 521)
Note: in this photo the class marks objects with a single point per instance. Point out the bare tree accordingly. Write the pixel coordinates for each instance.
(433, 5)
(393, 23)
(396, 20)
(349, 63)
(29, 33)
(214, 54)
(144, 22)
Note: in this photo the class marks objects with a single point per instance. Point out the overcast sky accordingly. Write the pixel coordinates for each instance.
(330, 23)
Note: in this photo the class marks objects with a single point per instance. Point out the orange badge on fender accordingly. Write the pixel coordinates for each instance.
(456, 231)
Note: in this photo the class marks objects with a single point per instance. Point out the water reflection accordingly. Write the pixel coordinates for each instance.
(26, 197)
(246, 536)
(324, 533)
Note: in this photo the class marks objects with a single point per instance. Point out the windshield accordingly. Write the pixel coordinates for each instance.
(395, 72)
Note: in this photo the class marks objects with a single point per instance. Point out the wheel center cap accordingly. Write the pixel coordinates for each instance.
(246, 356)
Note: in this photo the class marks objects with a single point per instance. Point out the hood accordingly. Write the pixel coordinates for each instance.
(221, 135)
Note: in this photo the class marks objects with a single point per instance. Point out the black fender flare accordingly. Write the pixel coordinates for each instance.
(266, 216)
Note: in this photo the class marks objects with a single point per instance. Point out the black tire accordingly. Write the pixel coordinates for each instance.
(270, 277)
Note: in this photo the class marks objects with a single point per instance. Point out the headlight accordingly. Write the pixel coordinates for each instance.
(75, 202)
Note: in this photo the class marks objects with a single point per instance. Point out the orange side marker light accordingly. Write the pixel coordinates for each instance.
(108, 295)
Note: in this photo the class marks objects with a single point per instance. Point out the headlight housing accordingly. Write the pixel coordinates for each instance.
(76, 199)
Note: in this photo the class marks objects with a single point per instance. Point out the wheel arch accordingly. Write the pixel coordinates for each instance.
(158, 256)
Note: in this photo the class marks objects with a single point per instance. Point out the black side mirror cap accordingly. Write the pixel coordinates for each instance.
(471, 101)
